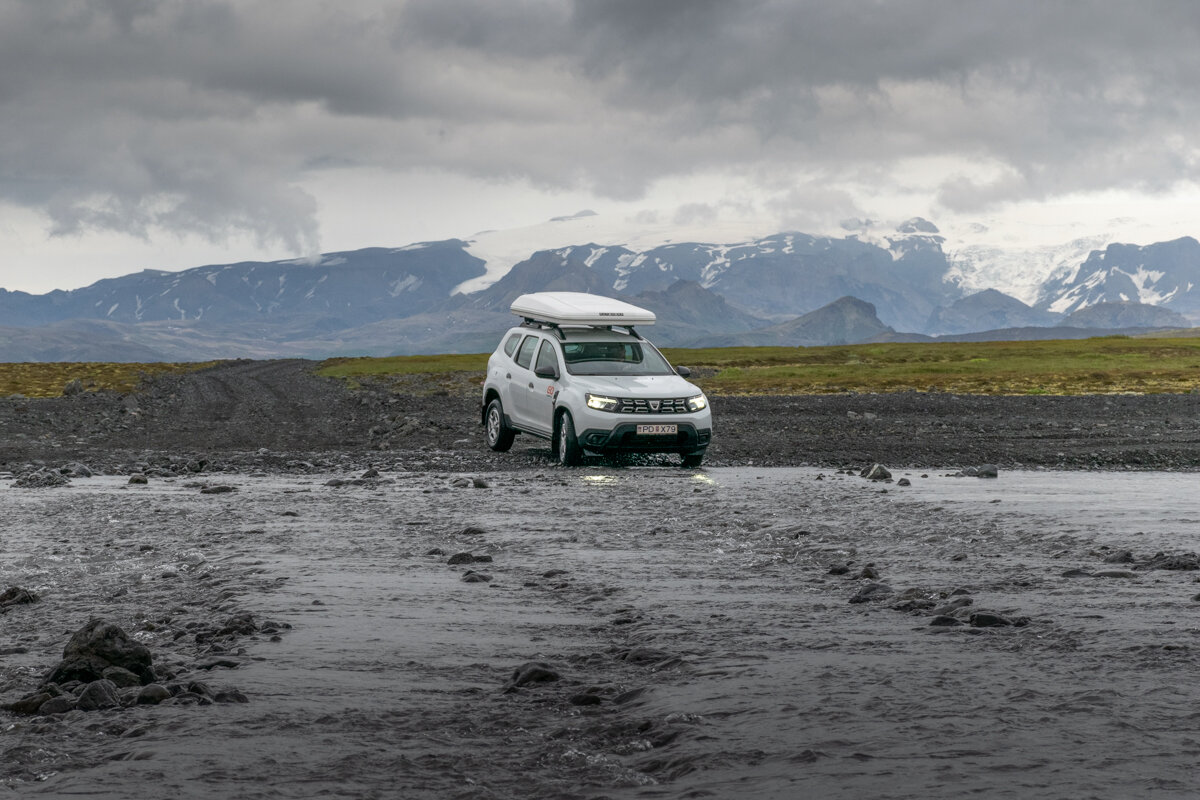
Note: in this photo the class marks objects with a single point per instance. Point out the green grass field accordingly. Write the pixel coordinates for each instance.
(1080, 366)
(48, 379)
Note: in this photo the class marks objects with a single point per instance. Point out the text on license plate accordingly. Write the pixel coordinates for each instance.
(657, 430)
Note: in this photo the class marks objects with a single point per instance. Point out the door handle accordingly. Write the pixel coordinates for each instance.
(531, 385)
(508, 376)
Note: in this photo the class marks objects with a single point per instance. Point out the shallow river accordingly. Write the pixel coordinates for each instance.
(703, 647)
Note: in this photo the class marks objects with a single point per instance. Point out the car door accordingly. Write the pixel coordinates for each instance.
(540, 403)
(520, 380)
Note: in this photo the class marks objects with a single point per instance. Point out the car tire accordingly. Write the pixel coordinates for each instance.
(692, 460)
(499, 435)
(567, 446)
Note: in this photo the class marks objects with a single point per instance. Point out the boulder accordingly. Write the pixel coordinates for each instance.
(98, 695)
(97, 646)
(876, 472)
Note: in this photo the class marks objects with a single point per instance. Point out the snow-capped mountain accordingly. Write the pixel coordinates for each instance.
(1164, 274)
(732, 279)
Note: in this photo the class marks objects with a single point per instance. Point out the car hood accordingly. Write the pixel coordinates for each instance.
(636, 385)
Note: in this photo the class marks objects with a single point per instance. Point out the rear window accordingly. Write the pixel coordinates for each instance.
(510, 346)
(525, 354)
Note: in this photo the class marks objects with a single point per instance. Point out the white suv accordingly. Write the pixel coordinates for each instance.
(568, 374)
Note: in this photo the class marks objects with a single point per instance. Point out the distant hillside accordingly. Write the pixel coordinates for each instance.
(846, 320)
(988, 309)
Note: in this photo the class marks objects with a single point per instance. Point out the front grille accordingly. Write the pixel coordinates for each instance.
(671, 405)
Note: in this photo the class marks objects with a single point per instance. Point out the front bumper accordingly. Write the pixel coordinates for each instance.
(624, 438)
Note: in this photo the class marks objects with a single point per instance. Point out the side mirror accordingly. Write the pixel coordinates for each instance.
(683, 372)
(547, 373)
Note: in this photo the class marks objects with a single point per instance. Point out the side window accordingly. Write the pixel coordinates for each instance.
(546, 356)
(525, 354)
(510, 346)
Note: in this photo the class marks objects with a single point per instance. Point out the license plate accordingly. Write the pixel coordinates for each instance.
(657, 430)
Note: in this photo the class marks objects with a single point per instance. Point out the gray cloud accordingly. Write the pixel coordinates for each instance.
(205, 117)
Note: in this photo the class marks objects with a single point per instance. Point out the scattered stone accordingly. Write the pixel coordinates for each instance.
(553, 573)
(531, 672)
(138, 478)
(869, 572)
(230, 696)
(1184, 561)
(872, 592)
(41, 479)
(335, 482)
(471, 576)
(953, 607)
(982, 471)
(839, 569)
(945, 621)
(461, 558)
(369, 474)
(218, 661)
(1077, 573)
(1120, 557)
(219, 489)
(1114, 573)
(480, 483)
(75, 470)
(904, 482)
(471, 530)
(876, 472)
(16, 596)
(985, 619)
(29, 704)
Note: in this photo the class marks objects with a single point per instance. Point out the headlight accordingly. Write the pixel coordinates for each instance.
(601, 403)
(697, 403)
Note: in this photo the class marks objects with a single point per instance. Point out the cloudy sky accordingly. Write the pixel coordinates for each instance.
(173, 133)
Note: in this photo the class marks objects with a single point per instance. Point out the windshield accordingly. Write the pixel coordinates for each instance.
(613, 358)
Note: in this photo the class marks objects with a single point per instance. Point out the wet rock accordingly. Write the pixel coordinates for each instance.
(554, 573)
(16, 596)
(872, 592)
(218, 489)
(986, 619)
(97, 646)
(982, 471)
(98, 695)
(335, 482)
(944, 621)
(218, 661)
(876, 472)
(1184, 561)
(230, 696)
(1114, 573)
(904, 482)
(138, 478)
(121, 677)
(471, 576)
(1120, 557)
(953, 607)
(529, 673)
(76, 470)
(839, 568)
(1077, 573)
(471, 530)
(152, 694)
(369, 474)
(58, 705)
(480, 483)
(41, 479)
(461, 558)
(29, 704)
(869, 572)
(435, 551)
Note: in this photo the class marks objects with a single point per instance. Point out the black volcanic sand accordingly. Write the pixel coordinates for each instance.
(456, 623)
(277, 415)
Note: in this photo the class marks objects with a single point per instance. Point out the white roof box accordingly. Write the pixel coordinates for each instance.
(579, 308)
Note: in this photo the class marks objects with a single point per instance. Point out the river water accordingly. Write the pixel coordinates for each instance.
(703, 647)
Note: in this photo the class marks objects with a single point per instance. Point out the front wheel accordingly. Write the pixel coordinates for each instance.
(499, 436)
(692, 461)
(569, 452)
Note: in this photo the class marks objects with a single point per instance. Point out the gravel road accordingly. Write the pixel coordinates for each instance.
(269, 414)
